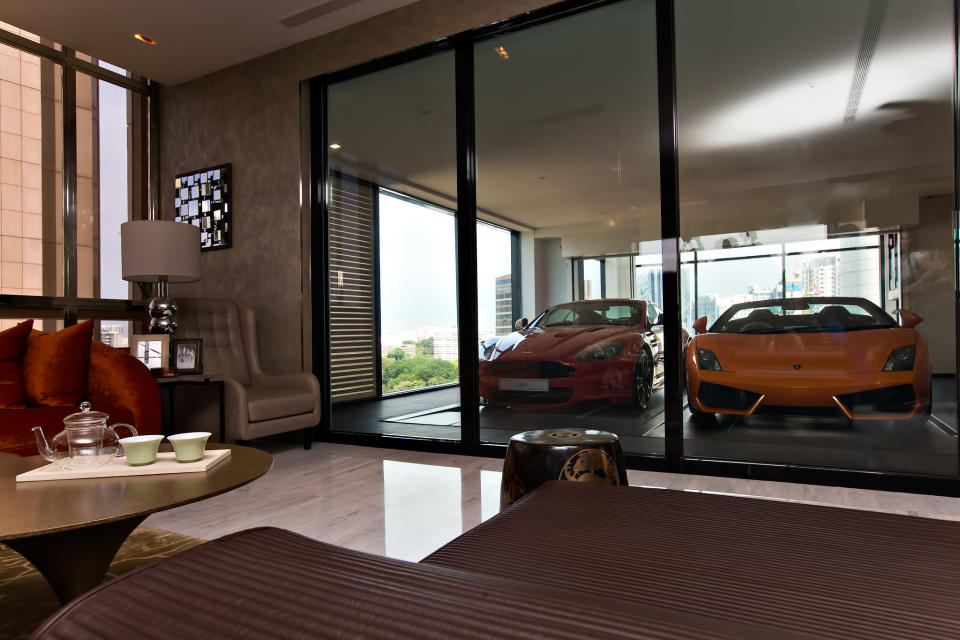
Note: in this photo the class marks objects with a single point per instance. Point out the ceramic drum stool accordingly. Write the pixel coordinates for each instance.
(581, 455)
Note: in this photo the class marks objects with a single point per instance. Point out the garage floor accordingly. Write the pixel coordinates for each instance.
(928, 447)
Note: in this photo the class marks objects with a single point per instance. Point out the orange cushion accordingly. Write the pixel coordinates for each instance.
(55, 366)
(13, 344)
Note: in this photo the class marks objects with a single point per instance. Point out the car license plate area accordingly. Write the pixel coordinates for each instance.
(518, 384)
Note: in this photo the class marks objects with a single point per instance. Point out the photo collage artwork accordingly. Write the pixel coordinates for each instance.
(203, 200)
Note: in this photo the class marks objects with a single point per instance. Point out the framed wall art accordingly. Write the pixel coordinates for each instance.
(203, 200)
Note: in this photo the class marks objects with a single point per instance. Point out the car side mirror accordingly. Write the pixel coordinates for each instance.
(700, 326)
(521, 323)
(909, 319)
(659, 320)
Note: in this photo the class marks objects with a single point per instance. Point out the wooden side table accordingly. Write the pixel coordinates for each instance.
(580, 455)
(168, 394)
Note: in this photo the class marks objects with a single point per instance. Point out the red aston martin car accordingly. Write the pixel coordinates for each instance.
(591, 350)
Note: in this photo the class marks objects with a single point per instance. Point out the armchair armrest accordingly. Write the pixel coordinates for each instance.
(300, 380)
(236, 410)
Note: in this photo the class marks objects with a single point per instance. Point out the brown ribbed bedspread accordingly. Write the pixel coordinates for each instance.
(270, 583)
(790, 567)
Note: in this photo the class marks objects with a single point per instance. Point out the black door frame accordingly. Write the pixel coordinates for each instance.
(674, 459)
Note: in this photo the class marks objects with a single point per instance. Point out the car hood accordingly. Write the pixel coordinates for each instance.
(815, 353)
(556, 343)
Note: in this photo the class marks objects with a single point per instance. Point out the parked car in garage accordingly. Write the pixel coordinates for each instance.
(796, 354)
(606, 349)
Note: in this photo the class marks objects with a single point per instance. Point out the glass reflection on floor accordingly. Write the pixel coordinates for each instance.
(425, 506)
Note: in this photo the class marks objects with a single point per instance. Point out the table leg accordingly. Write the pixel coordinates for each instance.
(75, 561)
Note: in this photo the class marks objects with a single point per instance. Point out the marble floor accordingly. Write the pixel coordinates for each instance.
(406, 504)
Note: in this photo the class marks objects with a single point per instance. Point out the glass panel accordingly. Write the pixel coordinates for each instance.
(393, 301)
(31, 179)
(816, 189)
(108, 182)
(420, 341)
(567, 158)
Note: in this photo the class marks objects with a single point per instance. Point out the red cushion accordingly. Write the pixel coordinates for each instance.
(55, 366)
(13, 344)
(16, 434)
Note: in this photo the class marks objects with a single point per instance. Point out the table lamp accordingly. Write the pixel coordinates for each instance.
(160, 251)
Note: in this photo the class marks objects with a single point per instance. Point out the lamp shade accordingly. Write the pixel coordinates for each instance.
(153, 250)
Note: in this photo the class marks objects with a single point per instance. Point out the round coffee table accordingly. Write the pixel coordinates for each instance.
(70, 530)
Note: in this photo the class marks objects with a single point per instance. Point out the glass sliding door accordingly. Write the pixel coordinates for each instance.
(392, 194)
(567, 159)
(816, 205)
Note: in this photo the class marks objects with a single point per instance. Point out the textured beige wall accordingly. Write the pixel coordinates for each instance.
(249, 115)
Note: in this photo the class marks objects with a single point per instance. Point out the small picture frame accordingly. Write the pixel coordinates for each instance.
(188, 356)
(153, 349)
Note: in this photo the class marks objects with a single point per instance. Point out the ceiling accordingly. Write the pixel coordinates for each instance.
(566, 127)
(193, 37)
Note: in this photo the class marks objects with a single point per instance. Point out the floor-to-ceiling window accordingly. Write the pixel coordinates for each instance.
(567, 153)
(394, 349)
(814, 254)
(67, 185)
(797, 168)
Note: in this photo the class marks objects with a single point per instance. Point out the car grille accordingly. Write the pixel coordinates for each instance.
(553, 396)
(721, 397)
(529, 369)
(899, 399)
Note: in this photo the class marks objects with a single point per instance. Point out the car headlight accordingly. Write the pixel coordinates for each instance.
(600, 351)
(707, 360)
(901, 359)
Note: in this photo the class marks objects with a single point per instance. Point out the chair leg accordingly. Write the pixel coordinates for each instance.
(307, 437)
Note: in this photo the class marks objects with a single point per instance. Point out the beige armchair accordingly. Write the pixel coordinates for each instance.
(256, 404)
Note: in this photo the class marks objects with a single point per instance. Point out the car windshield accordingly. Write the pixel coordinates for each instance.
(592, 313)
(803, 315)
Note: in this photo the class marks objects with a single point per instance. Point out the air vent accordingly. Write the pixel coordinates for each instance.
(316, 11)
(868, 46)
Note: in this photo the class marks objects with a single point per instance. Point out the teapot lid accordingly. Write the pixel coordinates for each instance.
(85, 417)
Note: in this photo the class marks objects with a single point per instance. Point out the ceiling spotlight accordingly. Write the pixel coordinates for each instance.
(143, 38)
(502, 52)
(335, 146)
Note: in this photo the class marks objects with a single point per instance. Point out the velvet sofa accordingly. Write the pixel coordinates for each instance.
(112, 380)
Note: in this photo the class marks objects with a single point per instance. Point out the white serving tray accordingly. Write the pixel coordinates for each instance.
(118, 467)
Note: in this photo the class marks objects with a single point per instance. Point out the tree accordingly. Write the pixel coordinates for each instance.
(415, 373)
(425, 347)
(397, 354)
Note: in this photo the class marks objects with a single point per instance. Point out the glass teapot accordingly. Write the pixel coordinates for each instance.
(86, 442)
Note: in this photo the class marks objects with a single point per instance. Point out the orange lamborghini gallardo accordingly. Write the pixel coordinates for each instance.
(801, 354)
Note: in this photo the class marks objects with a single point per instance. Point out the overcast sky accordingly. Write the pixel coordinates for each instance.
(418, 267)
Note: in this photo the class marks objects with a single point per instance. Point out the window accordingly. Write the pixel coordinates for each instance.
(56, 258)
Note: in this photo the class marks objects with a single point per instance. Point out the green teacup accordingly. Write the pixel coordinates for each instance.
(141, 450)
(189, 447)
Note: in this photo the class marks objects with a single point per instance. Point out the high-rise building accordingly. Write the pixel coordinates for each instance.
(819, 276)
(504, 308)
(650, 285)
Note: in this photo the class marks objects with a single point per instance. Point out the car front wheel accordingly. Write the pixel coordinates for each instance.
(643, 380)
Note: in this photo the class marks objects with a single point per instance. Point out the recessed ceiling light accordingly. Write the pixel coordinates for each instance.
(502, 52)
(335, 146)
(143, 38)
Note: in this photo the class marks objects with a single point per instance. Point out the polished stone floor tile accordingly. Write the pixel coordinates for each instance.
(406, 504)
